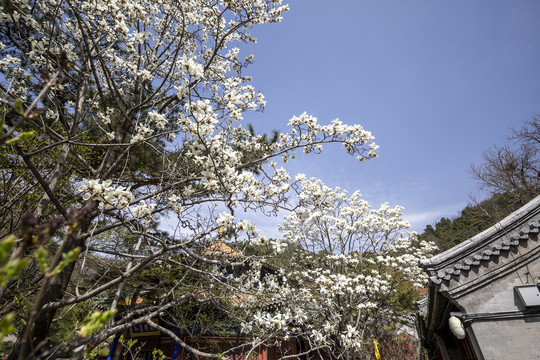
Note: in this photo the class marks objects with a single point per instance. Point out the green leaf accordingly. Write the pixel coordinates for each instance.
(12, 270)
(19, 106)
(6, 247)
(42, 255)
(12, 141)
(28, 135)
(67, 258)
(96, 321)
(23, 136)
(6, 325)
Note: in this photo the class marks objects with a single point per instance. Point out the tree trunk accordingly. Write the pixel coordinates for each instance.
(52, 290)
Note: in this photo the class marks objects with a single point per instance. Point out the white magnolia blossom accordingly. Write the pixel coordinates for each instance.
(143, 210)
(349, 258)
(278, 246)
(108, 196)
(153, 94)
(225, 219)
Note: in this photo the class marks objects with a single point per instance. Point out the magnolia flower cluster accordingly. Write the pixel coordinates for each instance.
(343, 216)
(162, 82)
(145, 129)
(108, 196)
(162, 29)
(192, 67)
(349, 258)
(305, 128)
(143, 210)
(175, 202)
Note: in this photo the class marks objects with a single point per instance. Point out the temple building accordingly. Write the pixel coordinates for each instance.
(483, 298)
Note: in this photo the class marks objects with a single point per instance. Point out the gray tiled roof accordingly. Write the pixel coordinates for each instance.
(486, 246)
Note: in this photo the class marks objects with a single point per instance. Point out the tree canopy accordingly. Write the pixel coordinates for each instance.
(125, 159)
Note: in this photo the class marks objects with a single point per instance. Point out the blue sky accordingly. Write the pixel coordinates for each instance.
(435, 81)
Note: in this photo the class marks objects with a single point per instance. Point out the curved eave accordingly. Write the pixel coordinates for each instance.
(487, 245)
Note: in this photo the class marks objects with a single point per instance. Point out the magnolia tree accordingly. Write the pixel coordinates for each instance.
(120, 119)
(348, 262)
